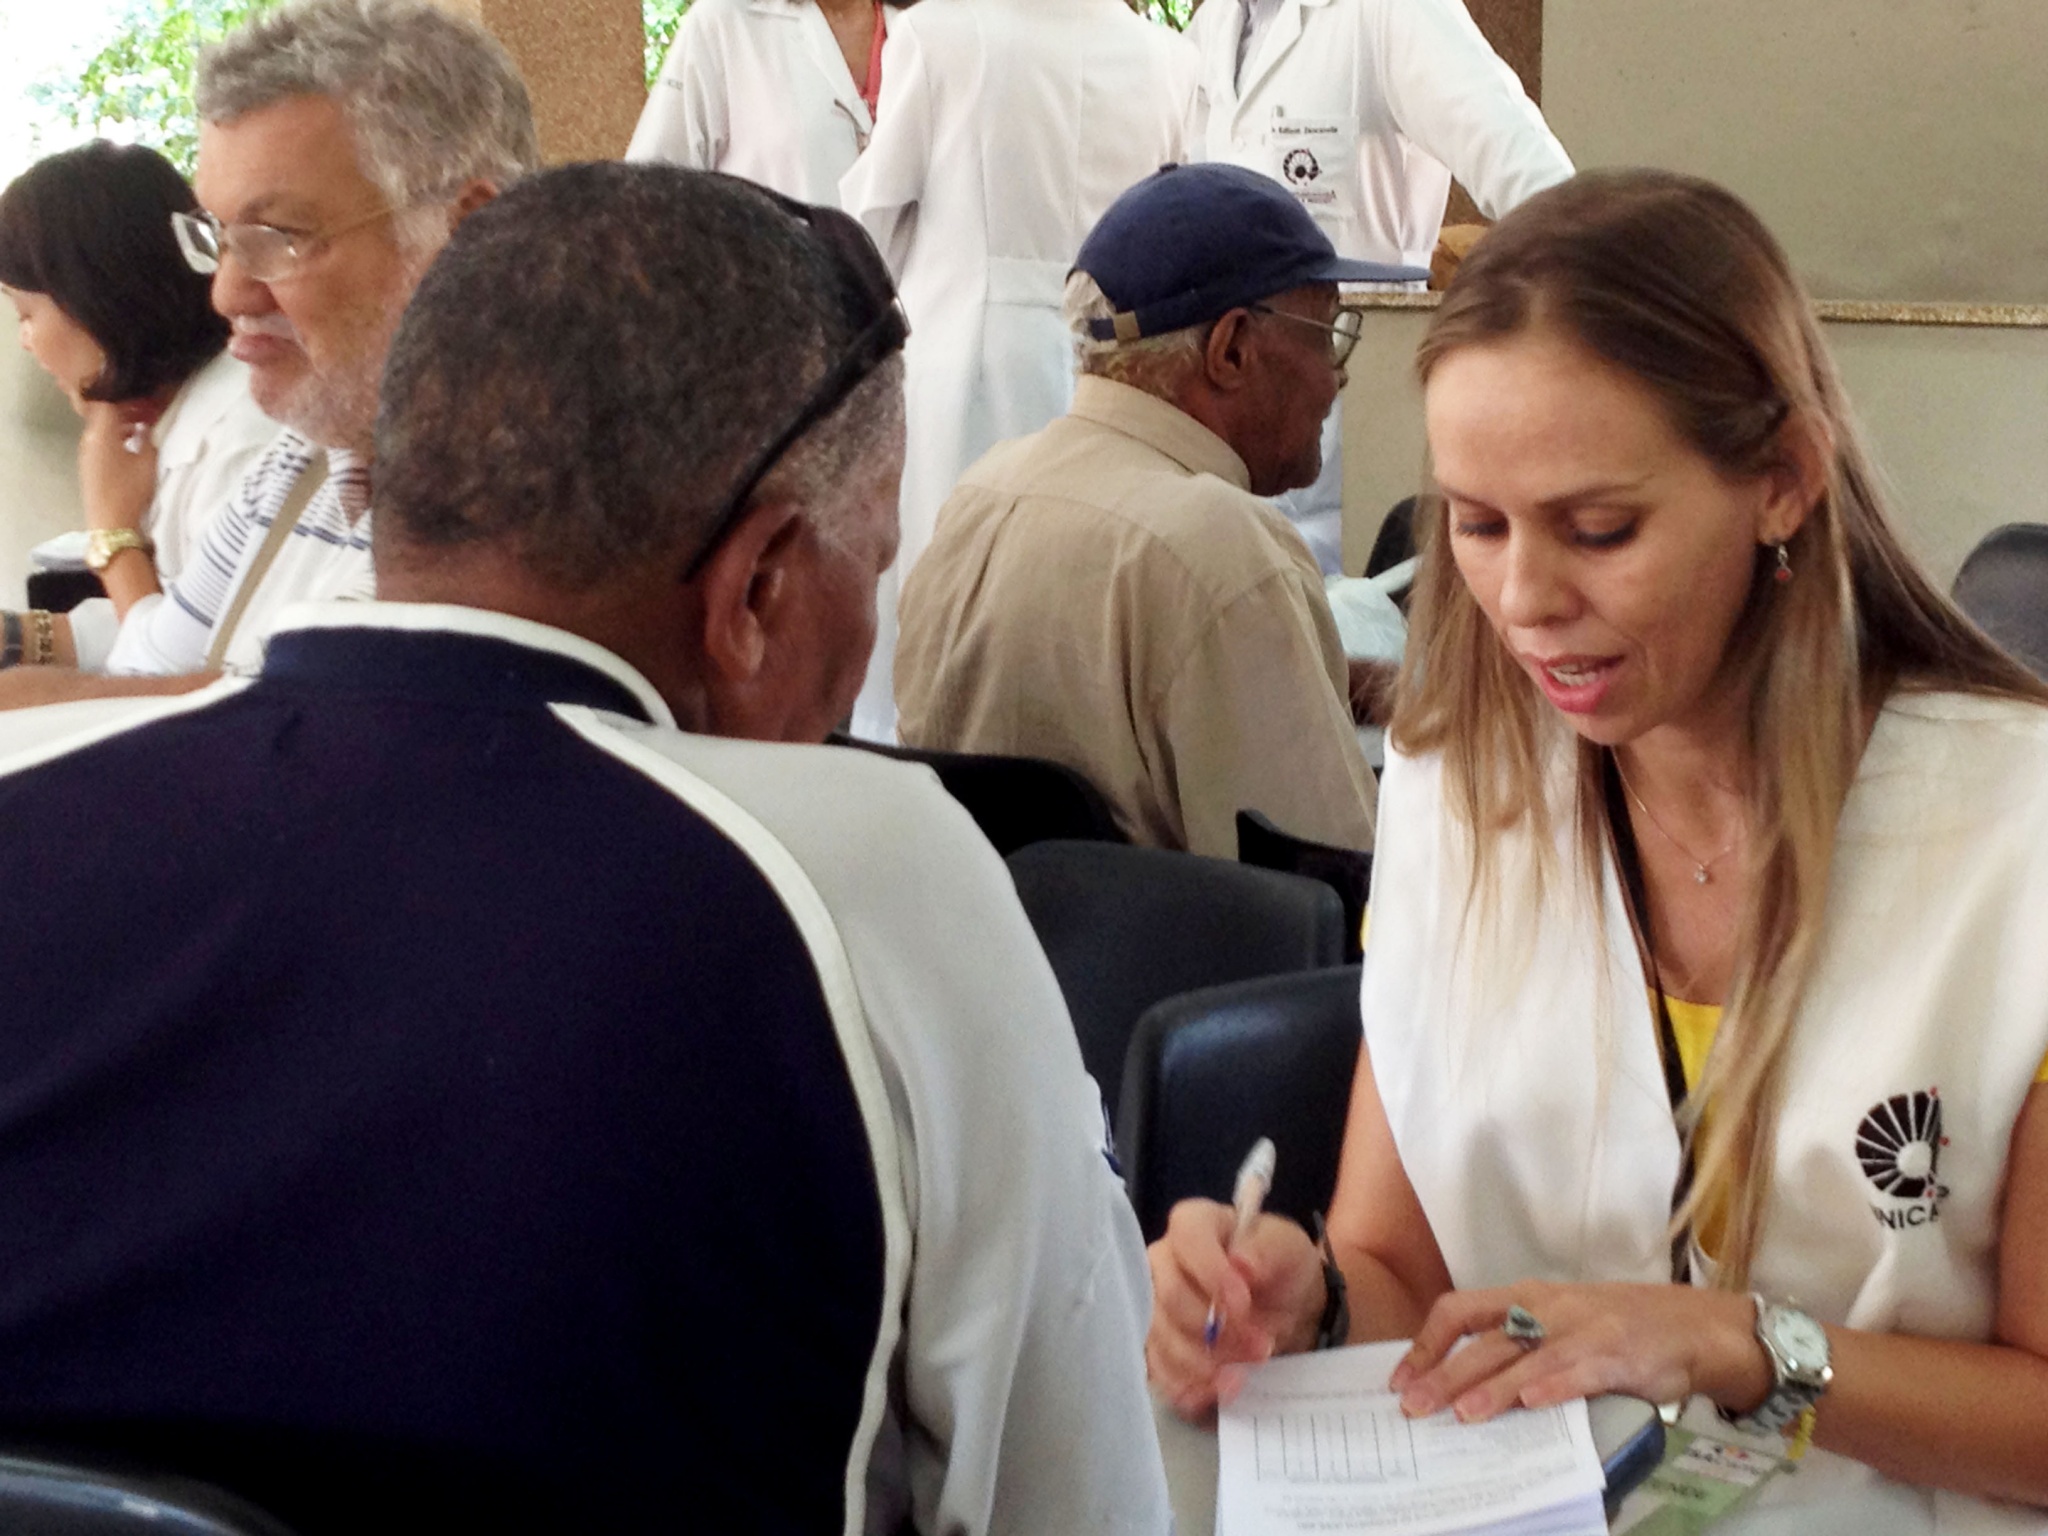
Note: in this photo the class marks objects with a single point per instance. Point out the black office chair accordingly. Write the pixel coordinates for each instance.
(2004, 587)
(40, 1497)
(1395, 541)
(1125, 927)
(1212, 1071)
(1345, 870)
(1014, 800)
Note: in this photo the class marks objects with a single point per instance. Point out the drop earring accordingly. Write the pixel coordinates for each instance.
(1783, 573)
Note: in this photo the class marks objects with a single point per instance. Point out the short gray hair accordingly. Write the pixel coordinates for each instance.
(595, 358)
(435, 102)
(1155, 364)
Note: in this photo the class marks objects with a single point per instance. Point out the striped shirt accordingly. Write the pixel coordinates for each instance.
(326, 555)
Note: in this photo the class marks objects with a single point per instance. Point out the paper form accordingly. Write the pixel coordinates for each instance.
(1315, 1443)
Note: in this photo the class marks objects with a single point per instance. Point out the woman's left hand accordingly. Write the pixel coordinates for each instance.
(1662, 1343)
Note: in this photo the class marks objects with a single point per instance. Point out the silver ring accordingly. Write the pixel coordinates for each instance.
(1520, 1325)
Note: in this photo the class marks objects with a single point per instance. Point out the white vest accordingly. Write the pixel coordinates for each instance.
(1531, 1113)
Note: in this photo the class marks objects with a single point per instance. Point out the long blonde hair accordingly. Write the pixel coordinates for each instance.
(1676, 282)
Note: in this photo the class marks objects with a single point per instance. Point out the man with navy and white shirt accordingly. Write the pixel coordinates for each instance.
(470, 1101)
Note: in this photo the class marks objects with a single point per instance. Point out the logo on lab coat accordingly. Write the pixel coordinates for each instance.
(1301, 168)
(1899, 1147)
(1311, 157)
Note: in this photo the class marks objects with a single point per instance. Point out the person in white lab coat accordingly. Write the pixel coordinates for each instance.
(1364, 109)
(1006, 129)
(781, 92)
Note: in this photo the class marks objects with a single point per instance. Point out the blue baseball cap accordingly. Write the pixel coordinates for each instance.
(1193, 242)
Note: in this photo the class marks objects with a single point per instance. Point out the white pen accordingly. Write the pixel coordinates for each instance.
(1254, 1183)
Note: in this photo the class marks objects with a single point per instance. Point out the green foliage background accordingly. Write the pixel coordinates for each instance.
(139, 86)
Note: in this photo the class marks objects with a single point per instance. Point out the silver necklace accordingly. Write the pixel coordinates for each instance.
(1700, 867)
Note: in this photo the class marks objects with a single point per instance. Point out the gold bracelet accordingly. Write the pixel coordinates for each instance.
(43, 629)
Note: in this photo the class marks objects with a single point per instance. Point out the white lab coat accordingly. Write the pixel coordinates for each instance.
(1365, 108)
(760, 89)
(1006, 128)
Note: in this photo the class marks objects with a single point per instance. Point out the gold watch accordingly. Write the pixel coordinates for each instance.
(102, 544)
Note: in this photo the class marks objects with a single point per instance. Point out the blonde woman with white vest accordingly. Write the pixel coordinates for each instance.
(1706, 996)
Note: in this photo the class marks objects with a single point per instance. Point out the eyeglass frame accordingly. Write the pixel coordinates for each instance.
(1346, 340)
(861, 265)
(185, 225)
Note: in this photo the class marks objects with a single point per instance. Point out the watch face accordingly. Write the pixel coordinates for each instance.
(1802, 1341)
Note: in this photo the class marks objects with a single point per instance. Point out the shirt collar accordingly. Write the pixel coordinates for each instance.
(616, 686)
(1158, 425)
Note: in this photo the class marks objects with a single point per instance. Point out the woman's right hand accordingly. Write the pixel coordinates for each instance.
(1267, 1291)
(116, 482)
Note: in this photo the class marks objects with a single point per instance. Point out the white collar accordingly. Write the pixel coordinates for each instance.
(452, 618)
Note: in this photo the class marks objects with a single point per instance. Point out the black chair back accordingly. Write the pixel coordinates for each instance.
(1344, 870)
(1395, 541)
(62, 591)
(2004, 587)
(1014, 800)
(41, 1497)
(1212, 1071)
(1125, 927)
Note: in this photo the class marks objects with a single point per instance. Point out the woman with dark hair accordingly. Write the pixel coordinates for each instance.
(109, 308)
(1706, 1004)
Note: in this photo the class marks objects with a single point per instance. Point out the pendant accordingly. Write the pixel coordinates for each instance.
(1699, 875)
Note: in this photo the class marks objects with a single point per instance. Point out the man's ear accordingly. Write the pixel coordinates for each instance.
(473, 196)
(1798, 481)
(743, 587)
(1225, 356)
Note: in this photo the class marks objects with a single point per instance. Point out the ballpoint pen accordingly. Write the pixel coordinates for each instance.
(1254, 1183)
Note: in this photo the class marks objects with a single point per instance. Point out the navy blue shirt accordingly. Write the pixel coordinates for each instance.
(413, 1118)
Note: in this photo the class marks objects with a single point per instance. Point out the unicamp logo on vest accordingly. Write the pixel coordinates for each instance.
(1899, 1145)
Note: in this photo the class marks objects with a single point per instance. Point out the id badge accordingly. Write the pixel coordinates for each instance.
(1316, 159)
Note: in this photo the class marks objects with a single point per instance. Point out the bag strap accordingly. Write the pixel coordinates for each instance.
(296, 500)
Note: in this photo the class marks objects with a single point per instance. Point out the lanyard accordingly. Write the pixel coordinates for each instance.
(1637, 896)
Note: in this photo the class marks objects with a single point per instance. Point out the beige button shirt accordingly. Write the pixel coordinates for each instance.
(1110, 595)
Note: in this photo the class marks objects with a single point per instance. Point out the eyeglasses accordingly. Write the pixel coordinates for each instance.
(1343, 335)
(266, 253)
(869, 294)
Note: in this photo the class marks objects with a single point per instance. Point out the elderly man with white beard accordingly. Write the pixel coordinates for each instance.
(341, 142)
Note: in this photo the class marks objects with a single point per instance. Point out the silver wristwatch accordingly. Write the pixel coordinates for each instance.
(1797, 1348)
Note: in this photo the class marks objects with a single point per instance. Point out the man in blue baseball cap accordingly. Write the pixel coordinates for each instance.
(1115, 593)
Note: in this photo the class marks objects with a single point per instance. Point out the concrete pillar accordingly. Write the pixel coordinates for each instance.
(584, 62)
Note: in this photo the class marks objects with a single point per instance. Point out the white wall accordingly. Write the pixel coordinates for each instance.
(38, 466)
(1957, 417)
(1895, 146)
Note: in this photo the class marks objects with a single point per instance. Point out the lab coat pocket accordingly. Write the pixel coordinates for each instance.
(1316, 158)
